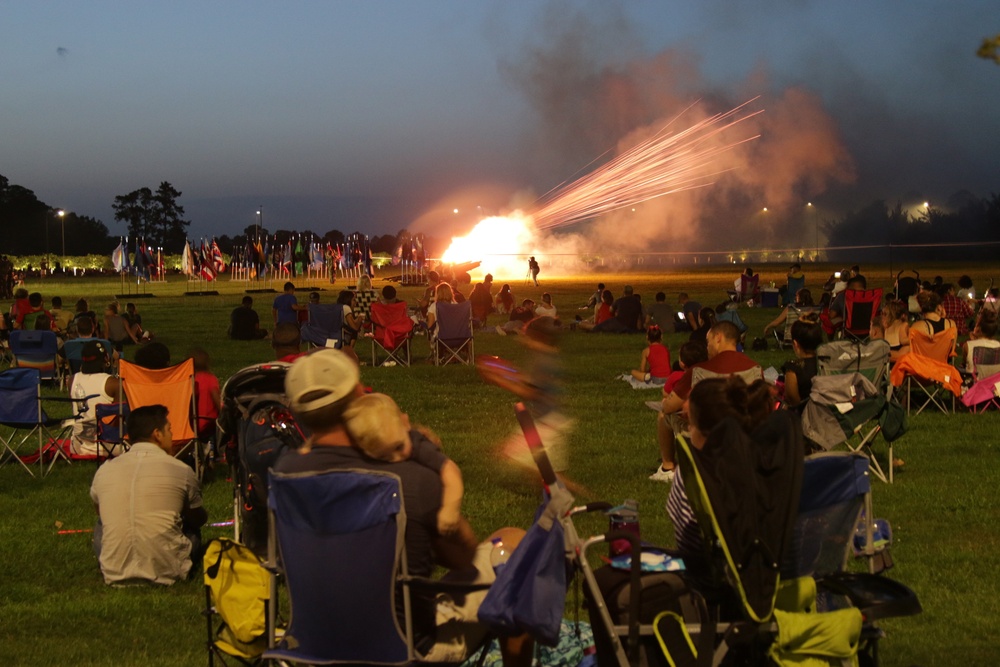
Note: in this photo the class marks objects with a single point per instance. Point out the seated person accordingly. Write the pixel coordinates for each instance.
(444, 294)
(602, 314)
(803, 299)
(287, 342)
(893, 326)
(244, 323)
(982, 335)
(94, 379)
(545, 308)
(61, 318)
(654, 362)
(118, 330)
(26, 316)
(134, 320)
(352, 322)
(150, 507)
(710, 403)
(388, 295)
(707, 318)
(505, 299)
(154, 356)
(83, 311)
(482, 303)
(723, 359)
(660, 312)
(807, 336)
(320, 387)
(383, 432)
(208, 399)
(689, 318)
(691, 353)
(520, 316)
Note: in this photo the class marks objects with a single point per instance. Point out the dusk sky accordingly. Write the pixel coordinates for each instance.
(440, 103)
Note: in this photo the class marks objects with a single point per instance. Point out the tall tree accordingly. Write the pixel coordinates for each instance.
(168, 217)
(135, 210)
(156, 217)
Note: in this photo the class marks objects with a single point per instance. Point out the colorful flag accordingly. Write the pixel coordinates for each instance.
(117, 256)
(217, 259)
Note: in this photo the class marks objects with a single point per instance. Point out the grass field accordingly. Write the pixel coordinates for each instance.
(54, 608)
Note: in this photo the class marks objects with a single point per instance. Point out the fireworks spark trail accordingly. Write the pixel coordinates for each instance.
(666, 163)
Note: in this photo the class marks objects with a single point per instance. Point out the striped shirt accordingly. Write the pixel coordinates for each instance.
(687, 533)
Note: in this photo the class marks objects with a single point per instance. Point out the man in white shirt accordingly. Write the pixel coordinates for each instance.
(150, 507)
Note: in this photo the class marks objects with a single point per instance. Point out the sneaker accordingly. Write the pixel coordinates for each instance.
(662, 475)
(647, 377)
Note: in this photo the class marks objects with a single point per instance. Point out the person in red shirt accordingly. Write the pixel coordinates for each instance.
(723, 359)
(207, 396)
(955, 308)
(654, 363)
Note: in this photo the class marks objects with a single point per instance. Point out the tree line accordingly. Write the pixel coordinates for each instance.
(969, 229)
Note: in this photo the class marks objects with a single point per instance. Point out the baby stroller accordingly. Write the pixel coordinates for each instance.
(254, 427)
(747, 615)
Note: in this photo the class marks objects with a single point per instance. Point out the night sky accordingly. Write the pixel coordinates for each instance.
(382, 115)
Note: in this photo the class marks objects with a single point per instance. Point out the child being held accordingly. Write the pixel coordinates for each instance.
(382, 431)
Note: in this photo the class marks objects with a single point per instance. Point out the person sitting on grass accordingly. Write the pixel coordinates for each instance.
(244, 323)
(723, 359)
(654, 362)
(207, 396)
(603, 313)
(383, 432)
(149, 507)
(691, 353)
(118, 330)
(518, 318)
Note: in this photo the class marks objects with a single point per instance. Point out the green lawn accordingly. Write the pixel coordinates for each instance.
(54, 608)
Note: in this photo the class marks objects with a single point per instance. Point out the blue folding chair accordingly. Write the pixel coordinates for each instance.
(325, 327)
(39, 350)
(21, 409)
(338, 536)
(454, 341)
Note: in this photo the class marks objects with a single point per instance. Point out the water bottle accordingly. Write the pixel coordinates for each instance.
(499, 556)
(624, 517)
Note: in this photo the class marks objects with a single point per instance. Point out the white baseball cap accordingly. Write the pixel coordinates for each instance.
(326, 376)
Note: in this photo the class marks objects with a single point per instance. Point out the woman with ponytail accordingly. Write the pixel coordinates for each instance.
(711, 402)
(654, 363)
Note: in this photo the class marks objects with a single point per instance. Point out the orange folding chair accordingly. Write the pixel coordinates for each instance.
(171, 387)
(927, 372)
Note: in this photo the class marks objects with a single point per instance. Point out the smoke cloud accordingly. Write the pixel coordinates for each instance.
(586, 107)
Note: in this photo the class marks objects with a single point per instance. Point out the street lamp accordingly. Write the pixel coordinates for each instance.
(62, 223)
(260, 221)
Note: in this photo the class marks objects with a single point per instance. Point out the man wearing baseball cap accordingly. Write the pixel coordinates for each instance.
(320, 386)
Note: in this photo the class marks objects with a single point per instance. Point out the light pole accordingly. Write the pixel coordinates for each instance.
(62, 223)
(260, 221)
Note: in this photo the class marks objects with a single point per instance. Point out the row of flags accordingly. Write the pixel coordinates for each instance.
(258, 257)
(205, 262)
(144, 263)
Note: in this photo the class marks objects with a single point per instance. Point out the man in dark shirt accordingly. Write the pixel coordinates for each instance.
(627, 315)
(244, 324)
(320, 386)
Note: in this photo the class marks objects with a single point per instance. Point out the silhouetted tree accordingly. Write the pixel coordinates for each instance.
(156, 217)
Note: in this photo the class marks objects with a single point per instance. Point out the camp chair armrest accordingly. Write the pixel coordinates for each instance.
(874, 595)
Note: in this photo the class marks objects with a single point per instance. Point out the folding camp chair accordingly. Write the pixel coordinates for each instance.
(237, 595)
(849, 410)
(860, 307)
(38, 350)
(73, 349)
(926, 373)
(834, 511)
(111, 420)
(871, 358)
(338, 536)
(325, 327)
(392, 329)
(744, 289)
(454, 341)
(172, 387)
(985, 362)
(22, 410)
(792, 315)
(363, 300)
(984, 394)
(792, 288)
